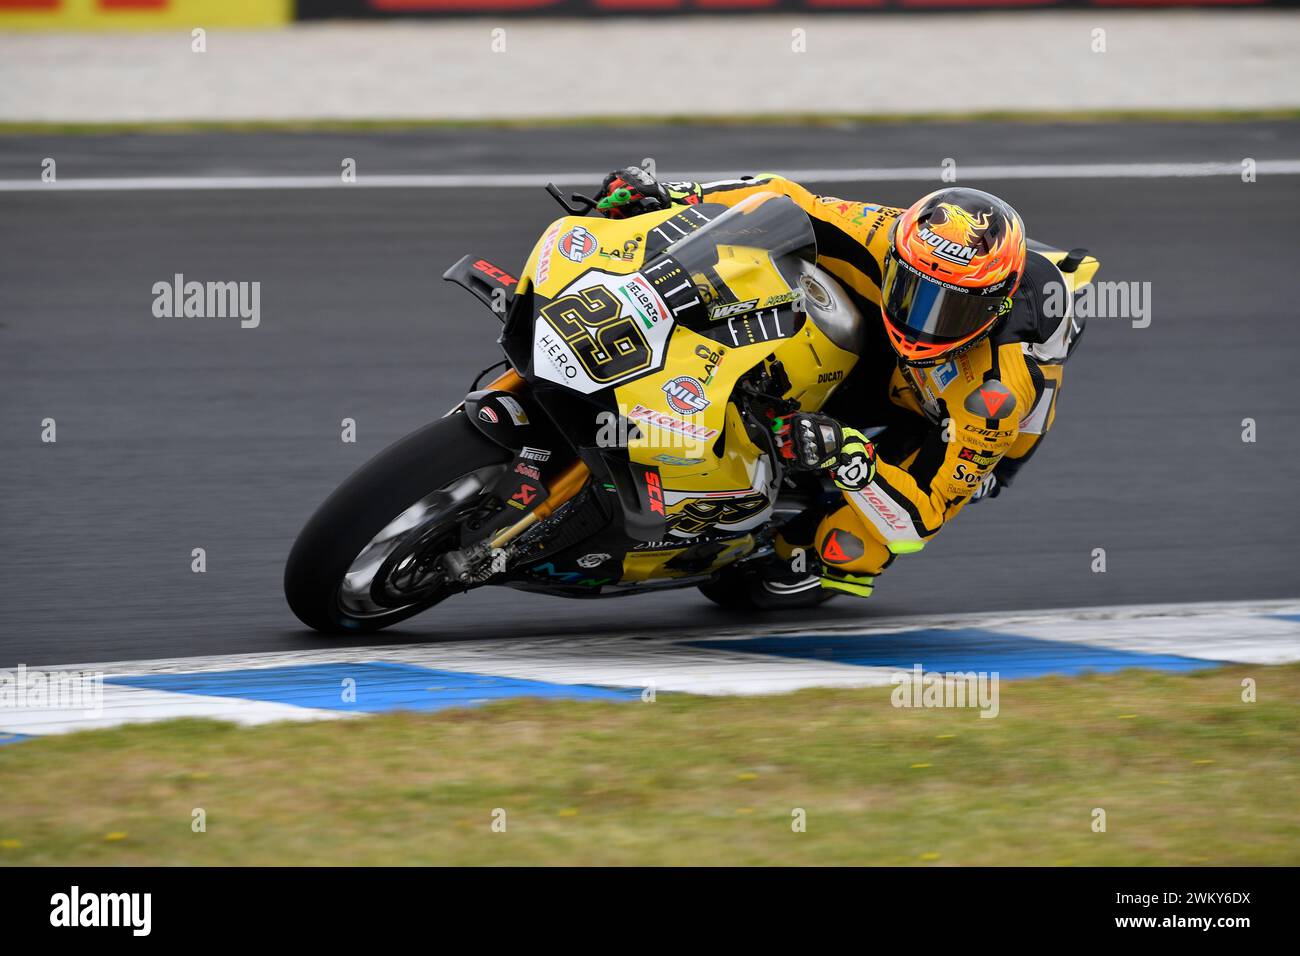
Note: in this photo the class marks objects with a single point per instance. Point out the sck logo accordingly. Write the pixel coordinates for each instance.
(686, 395)
(654, 492)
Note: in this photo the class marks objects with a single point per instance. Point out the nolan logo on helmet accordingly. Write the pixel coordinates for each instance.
(946, 248)
(953, 237)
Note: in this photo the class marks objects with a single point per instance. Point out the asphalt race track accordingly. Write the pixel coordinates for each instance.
(182, 433)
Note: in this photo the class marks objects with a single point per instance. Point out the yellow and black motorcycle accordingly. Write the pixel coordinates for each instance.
(630, 444)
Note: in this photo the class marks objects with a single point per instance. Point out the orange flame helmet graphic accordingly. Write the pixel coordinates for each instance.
(957, 225)
(964, 237)
(955, 258)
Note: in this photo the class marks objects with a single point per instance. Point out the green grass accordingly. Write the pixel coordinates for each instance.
(1186, 772)
(766, 119)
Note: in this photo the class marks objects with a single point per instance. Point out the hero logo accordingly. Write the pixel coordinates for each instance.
(577, 244)
(686, 395)
(554, 350)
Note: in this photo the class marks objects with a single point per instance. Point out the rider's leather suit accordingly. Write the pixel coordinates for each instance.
(949, 427)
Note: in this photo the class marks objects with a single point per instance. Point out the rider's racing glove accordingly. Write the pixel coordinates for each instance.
(988, 488)
(632, 190)
(629, 192)
(810, 442)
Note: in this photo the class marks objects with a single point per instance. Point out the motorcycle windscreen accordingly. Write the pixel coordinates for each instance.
(747, 258)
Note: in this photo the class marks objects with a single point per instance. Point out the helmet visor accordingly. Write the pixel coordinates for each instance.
(924, 310)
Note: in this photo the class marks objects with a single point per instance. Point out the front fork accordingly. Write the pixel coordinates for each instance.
(475, 564)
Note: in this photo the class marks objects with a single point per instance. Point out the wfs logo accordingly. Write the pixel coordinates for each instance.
(179, 299)
(103, 909)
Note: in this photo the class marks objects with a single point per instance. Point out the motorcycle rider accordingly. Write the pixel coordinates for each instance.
(966, 385)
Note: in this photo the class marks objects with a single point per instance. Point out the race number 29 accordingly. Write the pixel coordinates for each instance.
(608, 344)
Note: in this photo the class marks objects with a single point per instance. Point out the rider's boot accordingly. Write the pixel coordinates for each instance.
(850, 555)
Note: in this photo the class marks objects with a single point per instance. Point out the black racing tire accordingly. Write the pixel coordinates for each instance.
(744, 589)
(731, 592)
(359, 509)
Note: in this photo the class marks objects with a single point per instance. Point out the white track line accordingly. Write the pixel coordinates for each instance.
(135, 705)
(1275, 167)
(1124, 618)
(1242, 632)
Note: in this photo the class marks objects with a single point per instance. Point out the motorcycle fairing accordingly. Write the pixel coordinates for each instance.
(666, 341)
(515, 422)
(484, 280)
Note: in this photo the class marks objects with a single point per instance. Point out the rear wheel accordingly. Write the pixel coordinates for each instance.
(370, 555)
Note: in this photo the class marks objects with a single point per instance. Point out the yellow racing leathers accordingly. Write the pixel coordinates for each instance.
(952, 430)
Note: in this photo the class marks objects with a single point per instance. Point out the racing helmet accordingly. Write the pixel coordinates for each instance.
(955, 257)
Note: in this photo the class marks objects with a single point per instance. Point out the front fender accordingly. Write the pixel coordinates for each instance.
(513, 420)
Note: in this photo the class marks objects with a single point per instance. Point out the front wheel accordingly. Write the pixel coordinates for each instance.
(370, 555)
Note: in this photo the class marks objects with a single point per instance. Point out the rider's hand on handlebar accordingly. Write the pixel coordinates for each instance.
(629, 192)
(810, 442)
